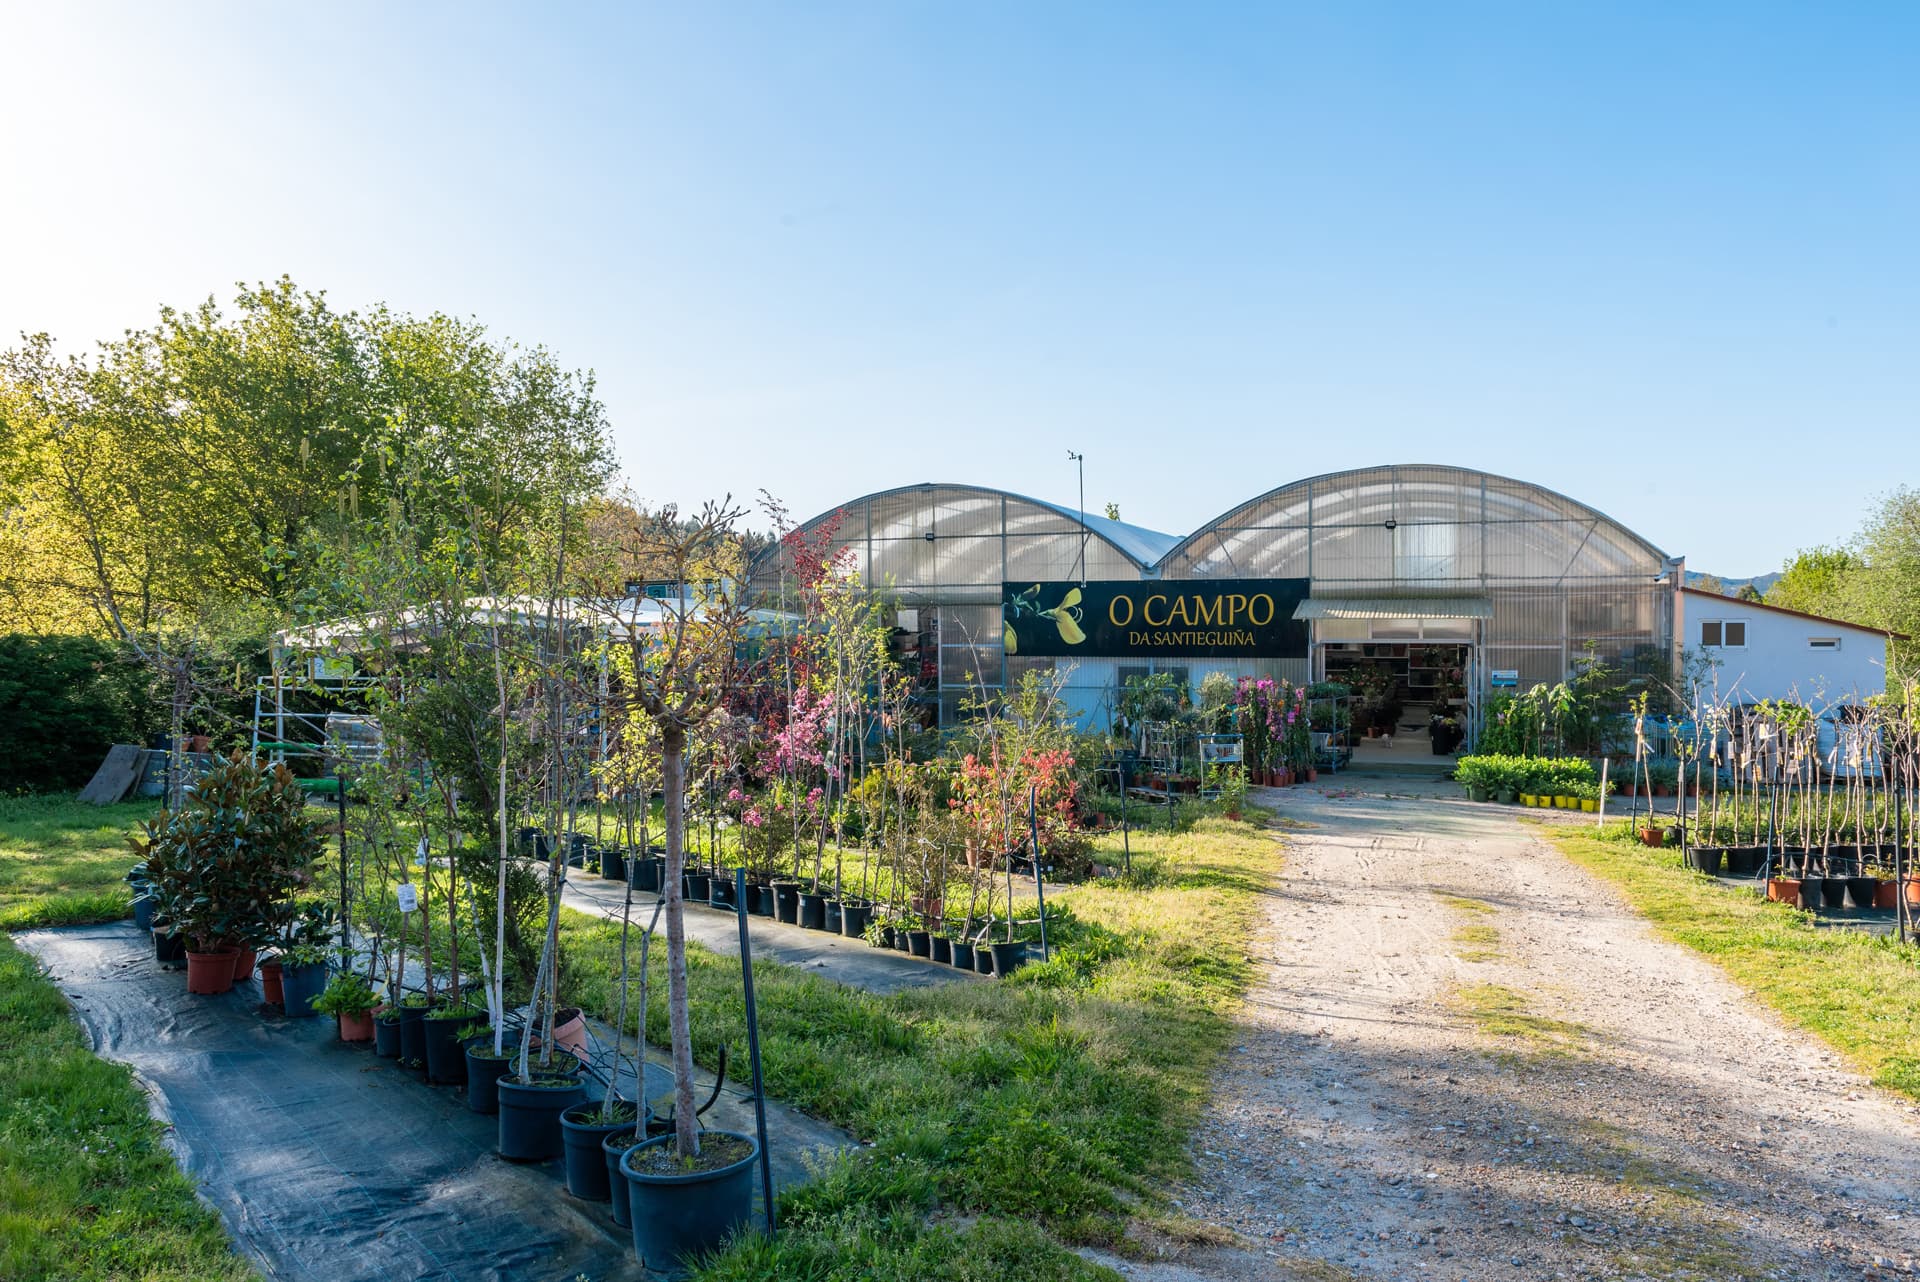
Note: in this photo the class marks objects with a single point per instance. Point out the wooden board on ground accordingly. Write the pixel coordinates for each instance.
(116, 776)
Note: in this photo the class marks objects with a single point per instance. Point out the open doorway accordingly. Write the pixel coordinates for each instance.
(1411, 697)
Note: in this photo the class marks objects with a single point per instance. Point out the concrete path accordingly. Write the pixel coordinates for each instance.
(852, 962)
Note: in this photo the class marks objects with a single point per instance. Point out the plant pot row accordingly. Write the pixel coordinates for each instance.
(1813, 893)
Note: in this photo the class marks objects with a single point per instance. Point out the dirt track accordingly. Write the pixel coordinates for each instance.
(1468, 1059)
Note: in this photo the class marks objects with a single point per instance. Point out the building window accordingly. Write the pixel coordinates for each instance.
(1823, 643)
(1723, 634)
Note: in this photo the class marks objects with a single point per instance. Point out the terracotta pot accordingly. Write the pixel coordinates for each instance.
(1313, 776)
(270, 988)
(356, 1028)
(1652, 836)
(1913, 891)
(570, 1030)
(243, 965)
(1886, 895)
(210, 973)
(1783, 890)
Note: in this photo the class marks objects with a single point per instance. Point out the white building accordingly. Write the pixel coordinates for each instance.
(1768, 652)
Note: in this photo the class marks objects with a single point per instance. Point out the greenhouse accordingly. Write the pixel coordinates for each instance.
(1429, 586)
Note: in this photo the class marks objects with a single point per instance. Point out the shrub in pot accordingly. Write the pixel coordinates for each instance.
(350, 999)
(445, 1027)
(237, 846)
(303, 979)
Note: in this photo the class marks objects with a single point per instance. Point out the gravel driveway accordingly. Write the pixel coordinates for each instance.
(1468, 1059)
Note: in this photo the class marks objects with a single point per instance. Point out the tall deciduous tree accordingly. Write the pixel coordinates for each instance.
(684, 662)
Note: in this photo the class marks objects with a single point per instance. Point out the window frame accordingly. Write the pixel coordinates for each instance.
(1723, 625)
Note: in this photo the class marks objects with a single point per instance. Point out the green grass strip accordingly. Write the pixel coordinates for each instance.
(1008, 1120)
(1859, 994)
(88, 1190)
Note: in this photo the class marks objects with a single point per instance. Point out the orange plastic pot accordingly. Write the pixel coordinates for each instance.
(356, 1028)
(1784, 890)
(270, 989)
(209, 974)
(243, 965)
(1886, 895)
(1652, 836)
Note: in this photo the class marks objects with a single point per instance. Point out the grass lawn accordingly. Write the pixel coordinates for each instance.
(1010, 1120)
(88, 1192)
(1857, 993)
(61, 860)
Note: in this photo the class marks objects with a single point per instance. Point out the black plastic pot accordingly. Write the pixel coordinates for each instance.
(1008, 958)
(760, 900)
(1833, 891)
(962, 955)
(1861, 890)
(169, 950)
(483, 1074)
(300, 985)
(919, 943)
(613, 864)
(612, 1148)
(1706, 859)
(983, 958)
(643, 873)
(832, 922)
(581, 1133)
(679, 1216)
(698, 886)
(813, 910)
(386, 1037)
(943, 950)
(446, 1056)
(854, 917)
(1744, 861)
(720, 894)
(413, 1038)
(786, 901)
(886, 936)
(1813, 892)
(530, 1117)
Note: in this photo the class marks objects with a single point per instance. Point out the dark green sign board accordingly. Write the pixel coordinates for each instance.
(1136, 619)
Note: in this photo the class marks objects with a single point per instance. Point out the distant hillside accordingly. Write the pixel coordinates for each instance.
(1762, 583)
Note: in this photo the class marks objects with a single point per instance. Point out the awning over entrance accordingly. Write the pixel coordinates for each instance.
(1394, 607)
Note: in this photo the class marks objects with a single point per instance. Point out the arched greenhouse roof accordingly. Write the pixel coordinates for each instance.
(1414, 525)
(955, 536)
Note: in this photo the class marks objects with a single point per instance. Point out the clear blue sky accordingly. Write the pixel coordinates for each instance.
(1661, 257)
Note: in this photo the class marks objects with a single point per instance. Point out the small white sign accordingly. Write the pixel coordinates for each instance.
(409, 897)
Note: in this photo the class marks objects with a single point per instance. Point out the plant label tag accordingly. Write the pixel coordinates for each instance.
(409, 898)
(420, 853)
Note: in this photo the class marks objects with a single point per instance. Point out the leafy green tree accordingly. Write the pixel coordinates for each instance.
(1814, 581)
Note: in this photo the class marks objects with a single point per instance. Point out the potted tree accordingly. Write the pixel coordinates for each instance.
(687, 1190)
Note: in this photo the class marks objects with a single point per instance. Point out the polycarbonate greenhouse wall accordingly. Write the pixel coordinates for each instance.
(1558, 574)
